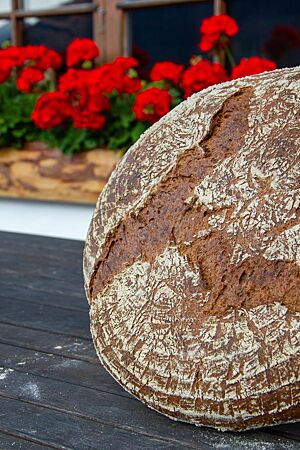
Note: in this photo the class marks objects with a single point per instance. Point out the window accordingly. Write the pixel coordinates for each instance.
(156, 30)
(53, 22)
(271, 32)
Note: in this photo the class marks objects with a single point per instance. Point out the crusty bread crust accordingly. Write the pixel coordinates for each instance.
(192, 258)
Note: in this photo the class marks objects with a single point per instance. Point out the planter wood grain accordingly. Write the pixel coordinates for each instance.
(37, 172)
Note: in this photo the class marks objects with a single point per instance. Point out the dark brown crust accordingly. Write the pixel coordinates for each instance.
(151, 230)
(167, 219)
(236, 420)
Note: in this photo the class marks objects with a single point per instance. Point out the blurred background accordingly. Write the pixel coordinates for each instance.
(149, 30)
(153, 30)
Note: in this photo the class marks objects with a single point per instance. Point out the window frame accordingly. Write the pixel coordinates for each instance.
(17, 14)
(219, 7)
(111, 22)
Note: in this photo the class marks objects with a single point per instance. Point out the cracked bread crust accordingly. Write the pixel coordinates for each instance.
(193, 254)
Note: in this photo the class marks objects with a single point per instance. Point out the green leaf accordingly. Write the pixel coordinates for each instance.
(126, 118)
(138, 129)
(176, 93)
(160, 84)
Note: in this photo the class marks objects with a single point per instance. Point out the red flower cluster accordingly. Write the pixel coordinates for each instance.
(32, 60)
(10, 57)
(28, 77)
(41, 57)
(168, 71)
(116, 76)
(51, 110)
(87, 109)
(252, 66)
(216, 28)
(86, 91)
(124, 63)
(87, 119)
(81, 50)
(201, 75)
(85, 97)
(152, 104)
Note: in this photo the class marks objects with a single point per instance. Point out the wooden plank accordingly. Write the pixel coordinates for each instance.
(43, 284)
(40, 173)
(43, 341)
(126, 413)
(66, 301)
(60, 261)
(40, 266)
(28, 244)
(60, 368)
(82, 373)
(56, 258)
(39, 278)
(69, 432)
(15, 441)
(289, 430)
(45, 318)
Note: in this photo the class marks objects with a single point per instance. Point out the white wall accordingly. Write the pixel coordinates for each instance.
(45, 218)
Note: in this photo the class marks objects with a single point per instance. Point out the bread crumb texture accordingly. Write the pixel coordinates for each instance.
(192, 260)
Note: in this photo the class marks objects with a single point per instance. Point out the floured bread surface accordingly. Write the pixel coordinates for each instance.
(192, 260)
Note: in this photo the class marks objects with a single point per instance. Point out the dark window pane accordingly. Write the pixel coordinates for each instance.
(168, 32)
(57, 31)
(4, 31)
(37, 4)
(269, 29)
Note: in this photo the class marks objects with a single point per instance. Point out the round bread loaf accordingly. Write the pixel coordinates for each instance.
(192, 258)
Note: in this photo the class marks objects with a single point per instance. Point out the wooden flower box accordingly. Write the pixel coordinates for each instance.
(37, 172)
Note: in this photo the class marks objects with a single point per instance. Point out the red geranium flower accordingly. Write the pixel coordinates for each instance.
(73, 83)
(110, 77)
(126, 82)
(13, 56)
(82, 86)
(105, 78)
(9, 57)
(51, 110)
(130, 85)
(87, 119)
(87, 100)
(37, 57)
(97, 103)
(168, 71)
(42, 57)
(215, 27)
(88, 114)
(251, 66)
(125, 63)
(5, 69)
(152, 104)
(28, 77)
(201, 75)
(81, 50)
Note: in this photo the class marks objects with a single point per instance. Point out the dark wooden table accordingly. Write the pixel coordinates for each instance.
(53, 391)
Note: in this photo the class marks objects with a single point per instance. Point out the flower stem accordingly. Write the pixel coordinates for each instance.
(216, 56)
(230, 56)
